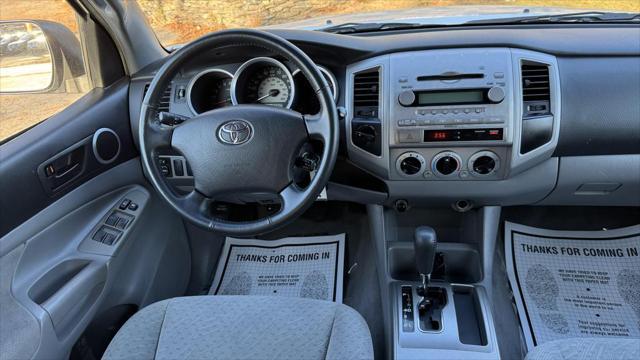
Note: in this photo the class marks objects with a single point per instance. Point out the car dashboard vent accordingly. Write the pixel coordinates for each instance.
(366, 93)
(366, 127)
(537, 118)
(165, 99)
(536, 92)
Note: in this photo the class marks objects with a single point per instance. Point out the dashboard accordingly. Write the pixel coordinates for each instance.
(455, 117)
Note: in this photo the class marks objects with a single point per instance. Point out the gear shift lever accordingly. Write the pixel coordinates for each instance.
(424, 245)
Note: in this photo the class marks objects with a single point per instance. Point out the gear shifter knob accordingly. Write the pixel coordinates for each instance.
(424, 244)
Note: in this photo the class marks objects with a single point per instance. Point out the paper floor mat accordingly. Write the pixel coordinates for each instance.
(571, 284)
(309, 267)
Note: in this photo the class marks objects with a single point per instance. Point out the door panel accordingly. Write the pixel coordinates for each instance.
(58, 274)
(70, 249)
(24, 158)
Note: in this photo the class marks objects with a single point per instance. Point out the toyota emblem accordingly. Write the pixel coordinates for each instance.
(235, 132)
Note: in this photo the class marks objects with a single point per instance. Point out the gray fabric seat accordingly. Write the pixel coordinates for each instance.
(243, 327)
(587, 348)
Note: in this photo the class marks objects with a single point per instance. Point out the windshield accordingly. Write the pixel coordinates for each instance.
(180, 21)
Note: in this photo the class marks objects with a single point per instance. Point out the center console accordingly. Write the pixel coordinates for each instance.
(436, 281)
(446, 318)
(471, 116)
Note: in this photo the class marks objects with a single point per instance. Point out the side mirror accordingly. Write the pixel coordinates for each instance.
(38, 56)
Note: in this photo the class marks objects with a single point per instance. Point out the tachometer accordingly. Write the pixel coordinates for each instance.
(263, 81)
(208, 90)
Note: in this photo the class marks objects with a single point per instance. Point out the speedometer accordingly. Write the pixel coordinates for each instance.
(264, 81)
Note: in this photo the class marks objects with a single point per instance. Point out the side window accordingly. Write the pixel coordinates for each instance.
(42, 69)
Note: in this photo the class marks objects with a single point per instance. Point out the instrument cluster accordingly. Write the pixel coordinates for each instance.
(260, 80)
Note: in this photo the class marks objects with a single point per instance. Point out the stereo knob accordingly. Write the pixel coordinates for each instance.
(495, 94)
(406, 98)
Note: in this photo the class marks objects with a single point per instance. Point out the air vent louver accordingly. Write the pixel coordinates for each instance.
(165, 99)
(537, 123)
(535, 82)
(366, 93)
(366, 127)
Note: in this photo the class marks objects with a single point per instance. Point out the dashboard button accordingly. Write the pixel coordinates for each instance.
(409, 136)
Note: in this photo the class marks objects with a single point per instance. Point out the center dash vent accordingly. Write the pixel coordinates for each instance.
(366, 93)
(536, 93)
(535, 81)
(165, 99)
(366, 127)
(537, 122)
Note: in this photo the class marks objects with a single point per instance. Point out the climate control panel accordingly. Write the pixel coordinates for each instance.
(454, 164)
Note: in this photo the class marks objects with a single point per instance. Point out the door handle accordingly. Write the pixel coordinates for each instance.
(66, 171)
(64, 167)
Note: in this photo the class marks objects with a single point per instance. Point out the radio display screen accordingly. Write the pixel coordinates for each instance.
(463, 135)
(452, 97)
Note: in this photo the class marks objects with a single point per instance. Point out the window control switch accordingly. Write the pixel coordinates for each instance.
(124, 204)
(119, 219)
(106, 235)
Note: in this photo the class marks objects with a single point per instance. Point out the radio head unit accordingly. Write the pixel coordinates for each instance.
(451, 97)
(417, 98)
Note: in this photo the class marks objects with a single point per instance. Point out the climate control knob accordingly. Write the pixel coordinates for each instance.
(410, 163)
(484, 163)
(446, 163)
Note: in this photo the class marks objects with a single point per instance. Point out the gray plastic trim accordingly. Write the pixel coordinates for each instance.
(445, 343)
(526, 188)
(604, 180)
(152, 262)
(378, 165)
(385, 227)
(520, 162)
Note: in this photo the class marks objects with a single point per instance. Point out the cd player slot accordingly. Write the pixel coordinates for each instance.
(449, 77)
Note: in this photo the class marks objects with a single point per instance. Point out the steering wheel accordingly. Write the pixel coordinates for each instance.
(243, 148)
